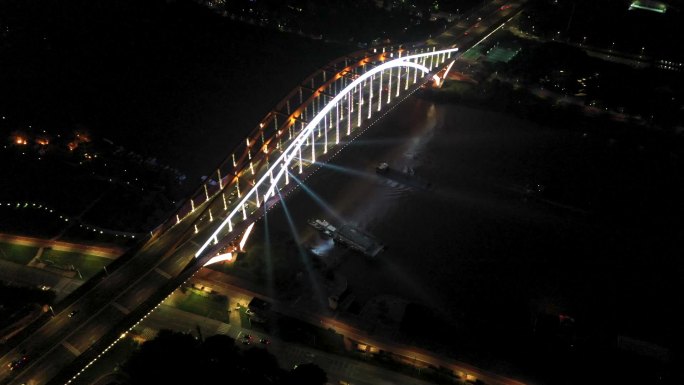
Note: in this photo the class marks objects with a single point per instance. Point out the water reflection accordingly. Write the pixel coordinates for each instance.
(323, 247)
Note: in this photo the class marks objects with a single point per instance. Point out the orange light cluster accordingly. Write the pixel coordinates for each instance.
(81, 137)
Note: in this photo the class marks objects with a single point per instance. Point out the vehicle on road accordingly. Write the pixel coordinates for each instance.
(265, 341)
(18, 363)
(73, 313)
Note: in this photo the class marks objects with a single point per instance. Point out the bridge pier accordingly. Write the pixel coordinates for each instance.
(380, 93)
(389, 87)
(370, 96)
(360, 110)
(325, 143)
(350, 104)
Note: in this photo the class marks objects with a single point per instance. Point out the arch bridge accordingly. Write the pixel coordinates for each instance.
(313, 118)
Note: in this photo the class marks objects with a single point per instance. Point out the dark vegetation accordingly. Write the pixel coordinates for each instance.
(653, 94)
(608, 24)
(360, 22)
(177, 358)
(172, 85)
(16, 302)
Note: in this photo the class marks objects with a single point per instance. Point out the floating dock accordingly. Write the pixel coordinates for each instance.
(350, 236)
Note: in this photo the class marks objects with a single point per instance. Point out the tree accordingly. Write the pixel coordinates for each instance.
(167, 359)
(178, 358)
(307, 374)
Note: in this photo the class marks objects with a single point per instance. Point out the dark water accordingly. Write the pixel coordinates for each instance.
(600, 243)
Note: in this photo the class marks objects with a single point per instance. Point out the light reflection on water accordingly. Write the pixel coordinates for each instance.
(323, 247)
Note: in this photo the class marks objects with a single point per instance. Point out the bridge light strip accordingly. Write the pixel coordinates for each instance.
(243, 241)
(295, 147)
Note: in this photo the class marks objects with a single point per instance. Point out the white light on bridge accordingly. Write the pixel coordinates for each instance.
(245, 236)
(293, 150)
(220, 258)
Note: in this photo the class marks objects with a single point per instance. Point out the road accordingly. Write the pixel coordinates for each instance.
(110, 252)
(128, 290)
(15, 273)
(61, 339)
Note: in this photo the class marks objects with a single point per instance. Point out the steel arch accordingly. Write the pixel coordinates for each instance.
(290, 152)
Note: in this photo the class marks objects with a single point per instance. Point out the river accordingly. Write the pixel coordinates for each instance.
(478, 242)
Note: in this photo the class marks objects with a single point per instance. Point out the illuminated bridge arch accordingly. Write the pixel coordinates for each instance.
(306, 137)
(326, 120)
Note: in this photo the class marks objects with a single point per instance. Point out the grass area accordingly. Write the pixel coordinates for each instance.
(457, 87)
(109, 362)
(245, 322)
(17, 253)
(298, 331)
(88, 265)
(329, 340)
(204, 304)
(472, 54)
(504, 55)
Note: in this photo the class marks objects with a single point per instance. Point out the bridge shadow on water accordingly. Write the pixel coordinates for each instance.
(317, 198)
(268, 256)
(306, 260)
(388, 266)
(349, 171)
